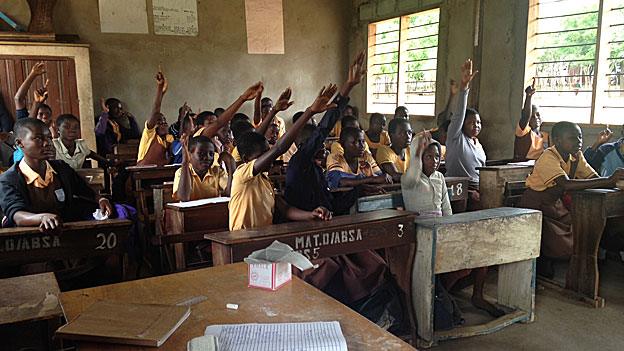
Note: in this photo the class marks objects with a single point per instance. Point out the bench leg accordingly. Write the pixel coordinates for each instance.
(516, 286)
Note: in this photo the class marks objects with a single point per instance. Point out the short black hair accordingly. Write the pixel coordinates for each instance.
(348, 132)
(202, 139)
(375, 116)
(349, 120)
(471, 111)
(394, 124)
(436, 144)
(250, 143)
(241, 127)
(219, 110)
(112, 101)
(24, 125)
(202, 116)
(66, 117)
(265, 99)
(240, 117)
(40, 106)
(296, 116)
(560, 128)
(400, 108)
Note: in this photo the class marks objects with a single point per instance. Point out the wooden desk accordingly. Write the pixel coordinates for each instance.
(391, 230)
(22, 245)
(590, 210)
(509, 237)
(95, 177)
(183, 218)
(212, 288)
(31, 311)
(492, 181)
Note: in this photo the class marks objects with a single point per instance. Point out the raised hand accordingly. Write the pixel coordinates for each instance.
(467, 75)
(321, 213)
(604, 136)
(230, 164)
(38, 69)
(103, 105)
(283, 102)
(252, 91)
(357, 70)
(530, 90)
(454, 87)
(162, 82)
(321, 104)
(186, 154)
(184, 110)
(424, 140)
(41, 94)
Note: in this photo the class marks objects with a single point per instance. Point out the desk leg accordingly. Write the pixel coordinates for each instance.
(180, 257)
(516, 286)
(423, 288)
(221, 254)
(588, 223)
(400, 261)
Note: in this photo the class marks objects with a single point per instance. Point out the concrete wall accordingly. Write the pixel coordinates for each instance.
(212, 69)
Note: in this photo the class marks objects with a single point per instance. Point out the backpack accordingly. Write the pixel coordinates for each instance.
(446, 312)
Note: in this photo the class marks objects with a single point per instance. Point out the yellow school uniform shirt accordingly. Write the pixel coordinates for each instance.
(537, 142)
(212, 185)
(252, 198)
(148, 137)
(384, 139)
(337, 162)
(337, 129)
(337, 148)
(33, 178)
(236, 155)
(551, 166)
(385, 154)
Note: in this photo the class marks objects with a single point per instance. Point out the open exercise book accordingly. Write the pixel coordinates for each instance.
(315, 336)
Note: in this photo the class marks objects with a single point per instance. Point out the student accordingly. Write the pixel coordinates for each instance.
(200, 176)
(401, 112)
(155, 145)
(394, 159)
(175, 128)
(348, 122)
(445, 115)
(423, 187)
(219, 111)
(605, 157)
(262, 108)
(187, 127)
(38, 191)
(350, 112)
(252, 201)
(464, 152)
(69, 148)
(353, 166)
(376, 135)
(205, 118)
(562, 167)
(114, 126)
(530, 141)
(272, 134)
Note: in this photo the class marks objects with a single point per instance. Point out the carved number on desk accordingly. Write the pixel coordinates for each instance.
(107, 241)
(457, 189)
(400, 230)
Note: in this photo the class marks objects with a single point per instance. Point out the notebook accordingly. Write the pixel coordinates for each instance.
(126, 323)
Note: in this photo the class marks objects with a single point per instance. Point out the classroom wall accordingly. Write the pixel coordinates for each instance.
(212, 69)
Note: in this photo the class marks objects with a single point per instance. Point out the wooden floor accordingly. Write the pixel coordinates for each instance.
(561, 323)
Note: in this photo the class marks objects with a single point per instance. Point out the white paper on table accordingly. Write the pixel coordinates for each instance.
(123, 16)
(200, 202)
(312, 336)
(279, 252)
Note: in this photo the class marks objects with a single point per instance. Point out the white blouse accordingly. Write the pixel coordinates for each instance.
(80, 154)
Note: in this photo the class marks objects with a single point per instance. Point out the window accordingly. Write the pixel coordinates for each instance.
(402, 63)
(575, 49)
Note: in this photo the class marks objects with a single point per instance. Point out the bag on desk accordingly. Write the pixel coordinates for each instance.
(446, 312)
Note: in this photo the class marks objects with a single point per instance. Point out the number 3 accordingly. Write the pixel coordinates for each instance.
(400, 230)
(108, 242)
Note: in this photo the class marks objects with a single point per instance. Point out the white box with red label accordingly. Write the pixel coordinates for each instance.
(270, 276)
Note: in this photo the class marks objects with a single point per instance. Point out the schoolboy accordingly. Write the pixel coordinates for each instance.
(376, 135)
(394, 159)
(262, 109)
(40, 191)
(114, 126)
(69, 148)
(530, 141)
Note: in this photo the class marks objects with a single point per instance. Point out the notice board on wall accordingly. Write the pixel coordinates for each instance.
(265, 26)
(175, 17)
(123, 16)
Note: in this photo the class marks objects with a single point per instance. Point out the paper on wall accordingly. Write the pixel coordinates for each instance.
(265, 26)
(123, 16)
(175, 17)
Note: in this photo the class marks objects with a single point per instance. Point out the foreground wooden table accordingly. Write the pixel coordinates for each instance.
(493, 179)
(209, 290)
(590, 211)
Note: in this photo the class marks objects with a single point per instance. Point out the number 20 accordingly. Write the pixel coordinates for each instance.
(107, 241)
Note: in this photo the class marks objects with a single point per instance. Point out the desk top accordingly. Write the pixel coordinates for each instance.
(361, 219)
(212, 288)
(79, 225)
(29, 298)
(504, 167)
(474, 216)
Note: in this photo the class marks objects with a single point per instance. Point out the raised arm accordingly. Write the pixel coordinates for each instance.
(161, 89)
(459, 113)
(527, 108)
(230, 167)
(446, 114)
(39, 97)
(321, 104)
(282, 104)
(249, 94)
(184, 188)
(414, 171)
(257, 117)
(20, 95)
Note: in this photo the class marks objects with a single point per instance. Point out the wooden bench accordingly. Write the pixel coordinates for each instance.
(183, 218)
(493, 181)
(391, 230)
(508, 237)
(31, 312)
(126, 153)
(95, 177)
(24, 245)
(208, 290)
